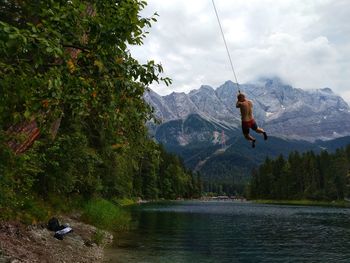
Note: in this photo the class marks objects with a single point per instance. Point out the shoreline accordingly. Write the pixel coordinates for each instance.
(338, 204)
(35, 243)
(303, 202)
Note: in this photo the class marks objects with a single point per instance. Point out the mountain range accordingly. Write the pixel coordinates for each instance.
(282, 110)
(203, 126)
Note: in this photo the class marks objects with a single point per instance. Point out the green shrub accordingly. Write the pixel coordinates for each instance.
(98, 237)
(105, 215)
(124, 201)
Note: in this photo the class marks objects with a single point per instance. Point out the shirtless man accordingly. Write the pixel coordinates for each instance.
(248, 122)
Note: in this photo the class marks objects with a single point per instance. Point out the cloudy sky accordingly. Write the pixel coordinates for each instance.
(305, 43)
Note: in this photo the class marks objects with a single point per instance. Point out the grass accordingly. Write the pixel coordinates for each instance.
(98, 237)
(304, 202)
(106, 215)
(124, 201)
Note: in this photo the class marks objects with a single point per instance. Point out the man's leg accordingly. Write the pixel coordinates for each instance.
(245, 130)
(250, 138)
(261, 130)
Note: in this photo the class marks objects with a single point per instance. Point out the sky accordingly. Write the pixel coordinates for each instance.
(305, 43)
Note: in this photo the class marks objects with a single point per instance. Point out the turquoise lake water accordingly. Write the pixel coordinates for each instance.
(220, 232)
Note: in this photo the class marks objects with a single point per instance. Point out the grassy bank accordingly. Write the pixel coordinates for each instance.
(110, 215)
(94, 221)
(343, 203)
(106, 215)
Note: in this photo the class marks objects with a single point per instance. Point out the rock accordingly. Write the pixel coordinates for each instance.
(89, 243)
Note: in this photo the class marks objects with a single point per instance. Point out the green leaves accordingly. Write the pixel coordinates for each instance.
(66, 64)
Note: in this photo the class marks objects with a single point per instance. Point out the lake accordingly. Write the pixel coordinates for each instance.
(228, 231)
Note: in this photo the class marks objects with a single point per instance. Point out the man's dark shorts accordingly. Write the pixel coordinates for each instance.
(246, 125)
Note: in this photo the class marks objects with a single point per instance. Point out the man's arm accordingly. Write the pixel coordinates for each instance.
(238, 104)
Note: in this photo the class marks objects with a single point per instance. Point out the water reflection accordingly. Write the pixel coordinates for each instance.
(234, 232)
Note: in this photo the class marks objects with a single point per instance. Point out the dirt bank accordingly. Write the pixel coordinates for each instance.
(20, 243)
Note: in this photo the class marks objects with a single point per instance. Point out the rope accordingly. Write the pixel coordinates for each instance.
(228, 52)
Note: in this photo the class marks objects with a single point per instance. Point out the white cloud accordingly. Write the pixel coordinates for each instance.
(306, 43)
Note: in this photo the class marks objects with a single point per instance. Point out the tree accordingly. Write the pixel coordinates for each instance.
(318, 177)
(297, 174)
(340, 171)
(66, 64)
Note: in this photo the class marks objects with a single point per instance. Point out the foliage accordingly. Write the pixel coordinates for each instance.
(17, 176)
(123, 201)
(106, 215)
(66, 65)
(307, 176)
(174, 180)
(98, 237)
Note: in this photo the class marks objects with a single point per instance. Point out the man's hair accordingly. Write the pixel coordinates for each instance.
(240, 96)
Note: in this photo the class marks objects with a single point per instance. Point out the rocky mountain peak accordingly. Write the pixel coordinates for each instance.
(280, 108)
(203, 90)
(327, 90)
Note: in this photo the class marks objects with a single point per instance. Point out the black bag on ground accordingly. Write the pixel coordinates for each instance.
(60, 230)
(53, 224)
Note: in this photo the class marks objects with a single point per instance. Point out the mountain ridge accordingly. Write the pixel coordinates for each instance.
(282, 110)
(203, 126)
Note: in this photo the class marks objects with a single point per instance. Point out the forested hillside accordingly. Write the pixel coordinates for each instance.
(303, 176)
(72, 115)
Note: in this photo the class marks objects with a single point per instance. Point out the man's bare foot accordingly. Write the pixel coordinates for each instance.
(265, 136)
